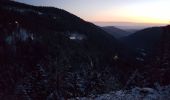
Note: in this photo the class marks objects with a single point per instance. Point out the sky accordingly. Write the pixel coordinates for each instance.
(137, 11)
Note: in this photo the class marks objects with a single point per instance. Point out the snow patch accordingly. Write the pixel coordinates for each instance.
(116, 57)
(9, 40)
(159, 93)
(39, 13)
(143, 53)
(54, 17)
(23, 35)
(76, 36)
(20, 34)
(140, 59)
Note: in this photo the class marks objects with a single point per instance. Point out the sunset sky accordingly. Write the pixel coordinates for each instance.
(140, 11)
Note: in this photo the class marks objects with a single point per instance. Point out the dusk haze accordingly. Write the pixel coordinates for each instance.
(138, 11)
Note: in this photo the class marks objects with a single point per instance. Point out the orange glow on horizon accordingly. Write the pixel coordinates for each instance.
(138, 11)
(151, 12)
(129, 19)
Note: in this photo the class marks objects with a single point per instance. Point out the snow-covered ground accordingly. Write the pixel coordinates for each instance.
(159, 93)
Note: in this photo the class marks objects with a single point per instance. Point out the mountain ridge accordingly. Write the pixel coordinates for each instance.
(116, 32)
(47, 51)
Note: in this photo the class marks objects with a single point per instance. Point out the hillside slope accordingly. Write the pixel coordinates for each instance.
(46, 52)
(144, 41)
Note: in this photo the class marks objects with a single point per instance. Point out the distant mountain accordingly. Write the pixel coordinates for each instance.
(116, 32)
(131, 30)
(129, 25)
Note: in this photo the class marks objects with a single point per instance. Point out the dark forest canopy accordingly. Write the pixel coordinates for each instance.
(47, 52)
